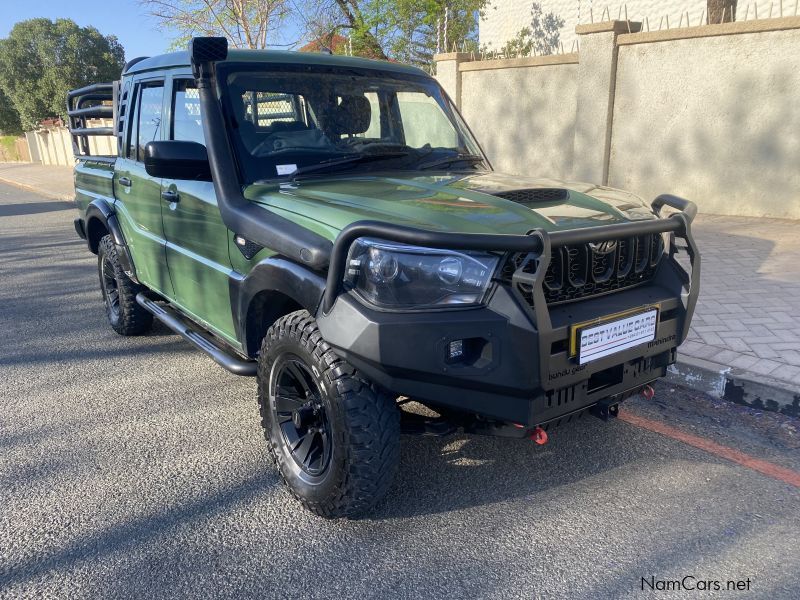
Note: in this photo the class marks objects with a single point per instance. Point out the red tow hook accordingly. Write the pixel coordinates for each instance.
(648, 392)
(539, 436)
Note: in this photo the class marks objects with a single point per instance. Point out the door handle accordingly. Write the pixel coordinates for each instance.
(170, 196)
(124, 182)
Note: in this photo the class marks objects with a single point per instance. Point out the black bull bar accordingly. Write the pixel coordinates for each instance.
(538, 244)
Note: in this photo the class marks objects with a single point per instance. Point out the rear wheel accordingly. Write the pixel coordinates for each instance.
(124, 314)
(333, 435)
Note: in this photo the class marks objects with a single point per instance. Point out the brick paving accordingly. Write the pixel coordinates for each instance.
(748, 314)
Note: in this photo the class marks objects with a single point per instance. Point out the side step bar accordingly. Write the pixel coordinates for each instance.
(237, 366)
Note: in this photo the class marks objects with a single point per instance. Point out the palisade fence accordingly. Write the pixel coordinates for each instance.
(708, 112)
(52, 144)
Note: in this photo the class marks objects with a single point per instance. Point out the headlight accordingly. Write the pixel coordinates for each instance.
(398, 276)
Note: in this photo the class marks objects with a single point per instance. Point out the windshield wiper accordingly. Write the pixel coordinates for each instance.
(446, 160)
(335, 162)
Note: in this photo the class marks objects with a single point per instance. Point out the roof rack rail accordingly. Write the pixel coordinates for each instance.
(95, 101)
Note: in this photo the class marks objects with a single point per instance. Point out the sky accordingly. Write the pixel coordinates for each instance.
(138, 33)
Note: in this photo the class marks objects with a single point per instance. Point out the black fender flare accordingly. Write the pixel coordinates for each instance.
(257, 296)
(101, 210)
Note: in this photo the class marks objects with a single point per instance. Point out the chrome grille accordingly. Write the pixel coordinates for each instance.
(584, 270)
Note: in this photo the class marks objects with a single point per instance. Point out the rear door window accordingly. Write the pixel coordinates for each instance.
(147, 118)
(265, 109)
(186, 123)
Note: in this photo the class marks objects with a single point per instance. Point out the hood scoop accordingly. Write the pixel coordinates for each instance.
(534, 195)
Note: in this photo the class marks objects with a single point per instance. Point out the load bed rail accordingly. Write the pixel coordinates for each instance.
(95, 101)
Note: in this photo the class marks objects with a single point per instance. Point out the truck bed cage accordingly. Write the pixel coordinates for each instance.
(95, 101)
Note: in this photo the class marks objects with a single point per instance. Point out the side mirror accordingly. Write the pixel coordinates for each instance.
(176, 159)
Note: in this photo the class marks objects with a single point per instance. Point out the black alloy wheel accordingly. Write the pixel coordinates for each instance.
(299, 411)
(333, 434)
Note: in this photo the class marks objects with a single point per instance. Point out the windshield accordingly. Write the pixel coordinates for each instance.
(324, 120)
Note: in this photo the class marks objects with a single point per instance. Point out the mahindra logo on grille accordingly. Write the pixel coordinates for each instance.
(606, 247)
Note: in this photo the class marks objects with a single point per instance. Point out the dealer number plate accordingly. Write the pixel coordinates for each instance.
(601, 339)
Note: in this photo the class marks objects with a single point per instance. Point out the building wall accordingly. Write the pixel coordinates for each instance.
(531, 109)
(714, 118)
(504, 18)
(708, 113)
(52, 145)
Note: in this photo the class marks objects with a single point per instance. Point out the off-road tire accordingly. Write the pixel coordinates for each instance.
(129, 318)
(364, 423)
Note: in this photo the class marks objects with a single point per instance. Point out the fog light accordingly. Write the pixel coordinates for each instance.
(455, 350)
(468, 352)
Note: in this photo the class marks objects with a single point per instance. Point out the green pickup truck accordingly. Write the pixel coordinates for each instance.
(330, 226)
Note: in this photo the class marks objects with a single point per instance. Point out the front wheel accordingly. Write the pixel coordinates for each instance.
(333, 435)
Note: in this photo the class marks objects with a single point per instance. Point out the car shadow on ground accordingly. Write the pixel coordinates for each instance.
(464, 471)
(135, 531)
(33, 208)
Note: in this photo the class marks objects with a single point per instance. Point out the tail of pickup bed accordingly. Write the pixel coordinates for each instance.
(93, 111)
(90, 109)
(87, 105)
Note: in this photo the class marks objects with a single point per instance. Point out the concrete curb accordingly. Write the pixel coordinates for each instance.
(38, 190)
(736, 385)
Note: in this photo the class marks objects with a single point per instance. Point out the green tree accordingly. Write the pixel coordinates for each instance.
(404, 30)
(41, 60)
(368, 23)
(9, 117)
(427, 25)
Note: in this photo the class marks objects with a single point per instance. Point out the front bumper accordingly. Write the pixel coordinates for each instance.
(501, 374)
(516, 364)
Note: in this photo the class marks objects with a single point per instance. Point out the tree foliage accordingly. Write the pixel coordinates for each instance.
(366, 23)
(541, 37)
(246, 23)
(9, 117)
(405, 30)
(427, 25)
(41, 60)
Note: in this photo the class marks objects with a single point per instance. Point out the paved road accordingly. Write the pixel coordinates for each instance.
(136, 468)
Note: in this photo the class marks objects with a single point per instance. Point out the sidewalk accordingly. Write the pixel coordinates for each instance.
(51, 181)
(745, 338)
